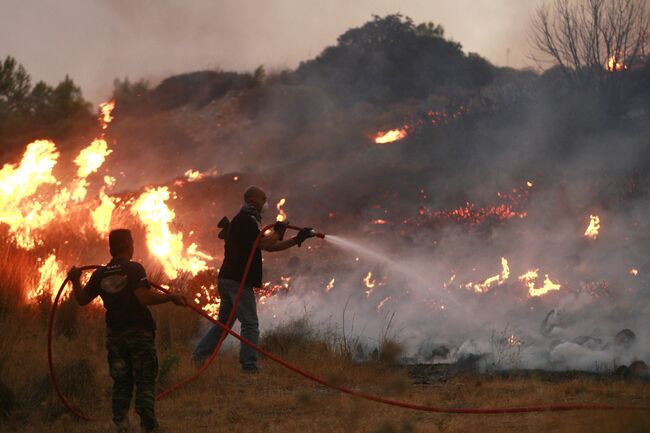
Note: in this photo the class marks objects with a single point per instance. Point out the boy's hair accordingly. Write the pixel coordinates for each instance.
(119, 241)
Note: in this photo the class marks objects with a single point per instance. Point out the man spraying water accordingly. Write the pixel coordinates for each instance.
(240, 235)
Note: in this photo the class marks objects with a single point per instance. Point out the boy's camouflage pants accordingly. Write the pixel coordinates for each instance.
(132, 361)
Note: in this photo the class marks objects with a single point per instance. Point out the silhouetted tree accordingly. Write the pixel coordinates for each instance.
(127, 94)
(389, 58)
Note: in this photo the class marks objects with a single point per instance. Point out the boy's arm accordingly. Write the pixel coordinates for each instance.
(81, 296)
(148, 297)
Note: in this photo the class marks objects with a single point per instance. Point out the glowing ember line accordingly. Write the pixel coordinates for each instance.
(498, 279)
(383, 302)
(529, 279)
(193, 175)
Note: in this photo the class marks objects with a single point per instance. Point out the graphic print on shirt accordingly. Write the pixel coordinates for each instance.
(113, 283)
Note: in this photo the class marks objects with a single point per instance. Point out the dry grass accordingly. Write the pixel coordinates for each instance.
(277, 401)
(225, 400)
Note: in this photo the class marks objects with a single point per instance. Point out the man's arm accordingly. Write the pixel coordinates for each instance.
(273, 243)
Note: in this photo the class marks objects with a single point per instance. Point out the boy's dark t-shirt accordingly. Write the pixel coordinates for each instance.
(115, 283)
(242, 233)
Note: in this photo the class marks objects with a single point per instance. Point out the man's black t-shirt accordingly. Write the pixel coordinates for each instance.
(242, 233)
(115, 283)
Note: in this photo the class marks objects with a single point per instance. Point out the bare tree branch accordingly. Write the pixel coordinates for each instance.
(594, 42)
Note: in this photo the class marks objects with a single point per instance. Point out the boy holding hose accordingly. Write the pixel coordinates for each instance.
(130, 329)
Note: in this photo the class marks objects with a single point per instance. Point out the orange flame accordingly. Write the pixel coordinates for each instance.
(193, 175)
(370, 284)
(390, 136)
(21, 181)
(103, 213)
(330, 285)
(593, 228)
(615, 63)
(109, 180)
(106, 108)
(92, 157)
(282, 216)
(51, 274)
(164, 244)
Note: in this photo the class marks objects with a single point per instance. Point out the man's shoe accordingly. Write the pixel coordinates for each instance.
(250, 369)
(198, 361)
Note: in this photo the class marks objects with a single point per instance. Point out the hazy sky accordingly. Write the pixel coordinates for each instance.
(95, 41)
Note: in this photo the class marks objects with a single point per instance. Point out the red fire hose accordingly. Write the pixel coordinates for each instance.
(227, 328)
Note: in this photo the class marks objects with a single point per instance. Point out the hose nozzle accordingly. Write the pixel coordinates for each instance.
(318, 234)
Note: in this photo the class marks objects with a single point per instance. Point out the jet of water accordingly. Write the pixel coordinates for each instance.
(405, 269)
(361, 250)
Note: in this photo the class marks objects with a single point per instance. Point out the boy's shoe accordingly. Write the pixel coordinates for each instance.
(122, 426)
(198, 361)
(143, 429)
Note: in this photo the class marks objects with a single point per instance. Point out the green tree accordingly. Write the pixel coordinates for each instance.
(28, 112)
(67, 100)
(15, 84)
